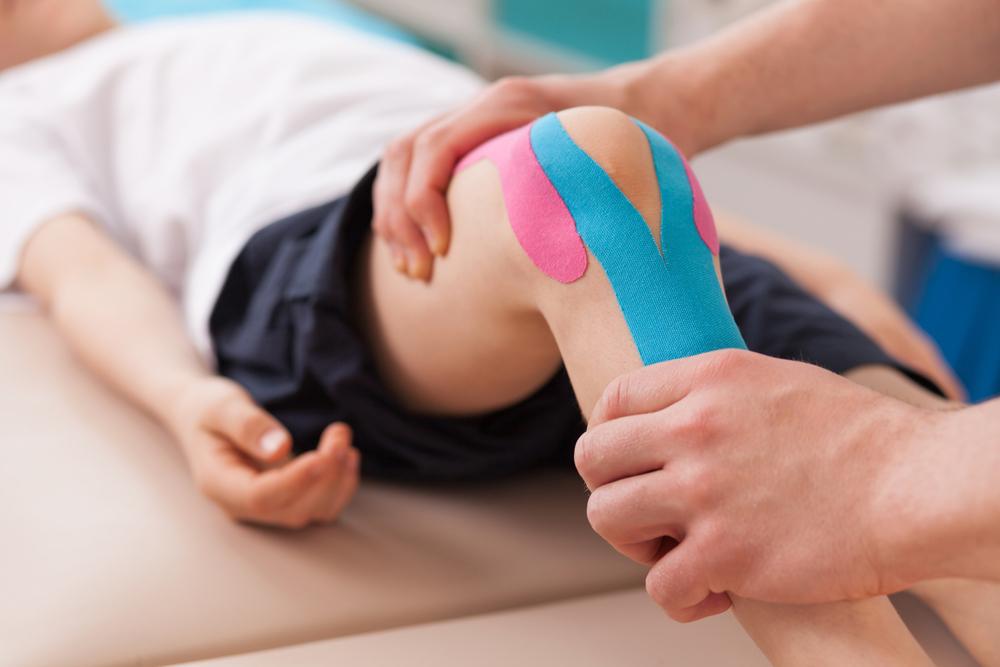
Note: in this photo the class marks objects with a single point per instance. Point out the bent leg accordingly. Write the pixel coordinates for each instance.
(491, 327)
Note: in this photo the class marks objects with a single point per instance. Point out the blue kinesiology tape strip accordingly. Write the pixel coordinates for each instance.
(672, 302)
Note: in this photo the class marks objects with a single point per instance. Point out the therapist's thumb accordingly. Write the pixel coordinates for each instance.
(678, 584)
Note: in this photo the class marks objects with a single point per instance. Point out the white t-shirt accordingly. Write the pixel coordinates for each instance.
(184, 137)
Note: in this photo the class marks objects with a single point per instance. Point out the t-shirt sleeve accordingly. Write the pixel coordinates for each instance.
(38, 182)
(780, 319)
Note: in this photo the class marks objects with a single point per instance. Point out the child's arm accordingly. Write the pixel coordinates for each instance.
(127, 329)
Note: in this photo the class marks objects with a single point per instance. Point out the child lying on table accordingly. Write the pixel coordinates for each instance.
(190, 201)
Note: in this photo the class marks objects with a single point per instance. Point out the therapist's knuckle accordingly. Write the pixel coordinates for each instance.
(583, 455)
(398, 150)
(696, 485)
(400, 226)
(724, 363)
(599, 510)
(431, 138)
(418, 202)
(513, 88)
(614, 399)
(712, 541)
(657, 589)
(691, 424)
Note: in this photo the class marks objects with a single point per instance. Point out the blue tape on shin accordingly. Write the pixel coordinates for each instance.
(673, 303)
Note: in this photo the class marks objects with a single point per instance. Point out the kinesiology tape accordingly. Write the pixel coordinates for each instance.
(560, 202)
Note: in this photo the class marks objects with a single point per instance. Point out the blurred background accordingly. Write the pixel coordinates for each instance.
(909, 197)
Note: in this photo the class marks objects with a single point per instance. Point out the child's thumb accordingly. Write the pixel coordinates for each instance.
(252, 430)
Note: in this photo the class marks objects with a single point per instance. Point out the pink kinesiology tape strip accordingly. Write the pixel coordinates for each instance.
(539, 217)
(703, 219)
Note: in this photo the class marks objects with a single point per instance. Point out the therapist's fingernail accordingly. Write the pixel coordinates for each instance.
(398, 259)
(271, 441)
(436, 241)
(418, 267)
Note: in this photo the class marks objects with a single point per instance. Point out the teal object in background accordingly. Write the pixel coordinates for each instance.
(131, 11)
(611, 31)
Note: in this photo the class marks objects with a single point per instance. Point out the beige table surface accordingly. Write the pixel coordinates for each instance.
(111, 557)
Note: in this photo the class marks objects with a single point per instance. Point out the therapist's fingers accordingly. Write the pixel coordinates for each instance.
(622, 448)
(435, 153)
(656, 387)
(648, 389)
(437, 147)
(391, 221)
(635, 514)
(677, 583)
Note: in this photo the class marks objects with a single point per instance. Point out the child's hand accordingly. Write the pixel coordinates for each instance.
(239, 456)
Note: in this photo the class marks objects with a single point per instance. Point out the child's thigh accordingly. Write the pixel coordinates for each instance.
(472, 339)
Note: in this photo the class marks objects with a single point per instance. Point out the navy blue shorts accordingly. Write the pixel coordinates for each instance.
(285, 328)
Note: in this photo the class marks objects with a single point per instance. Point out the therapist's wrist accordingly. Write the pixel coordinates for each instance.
(679, 93)
(925, 523)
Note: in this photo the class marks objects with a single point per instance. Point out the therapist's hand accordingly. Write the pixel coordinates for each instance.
(411, 213)
(409, 192)
(770, 477)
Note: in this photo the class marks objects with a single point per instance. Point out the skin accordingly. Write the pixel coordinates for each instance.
(794, 64)
(858, 464)
(30, 29)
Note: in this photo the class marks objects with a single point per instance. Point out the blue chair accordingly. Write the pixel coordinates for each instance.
(957, 302)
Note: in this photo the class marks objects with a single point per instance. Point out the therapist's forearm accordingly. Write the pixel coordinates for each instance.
(942, 515)
(811, 60)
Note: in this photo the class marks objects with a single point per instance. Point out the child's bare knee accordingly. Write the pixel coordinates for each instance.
(614, 141)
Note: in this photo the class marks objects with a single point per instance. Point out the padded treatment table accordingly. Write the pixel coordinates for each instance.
(111, 556)
(623, 628)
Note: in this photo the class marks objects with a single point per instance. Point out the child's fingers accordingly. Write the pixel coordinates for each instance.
(310, 487)
(334, 452)
(274, 494)
(335, 447)
(347, 488)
